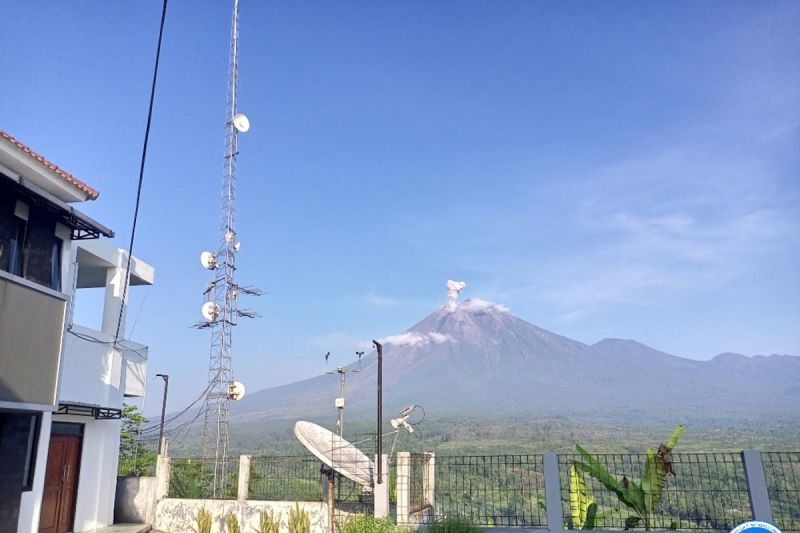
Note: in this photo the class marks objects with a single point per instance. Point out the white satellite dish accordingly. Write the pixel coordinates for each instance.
(241, 122)
(210, 311)
(208, 260)
(335, 452)
(236, 390)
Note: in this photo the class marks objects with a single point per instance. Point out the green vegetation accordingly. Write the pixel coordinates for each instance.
(135, 459)
(232, 523)
(364, 523)
(299, 521)
(203, 521)
(268, 522)
(642, 497)
(452, 525)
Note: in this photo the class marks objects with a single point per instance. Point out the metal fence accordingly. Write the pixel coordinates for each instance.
(708, 491)
(285, 478)
(782, 472)
(491, 490)
(193, 478)
(137, 458)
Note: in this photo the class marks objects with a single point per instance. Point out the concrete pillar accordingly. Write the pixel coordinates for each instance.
(115, 280)
(381, 490)
(429, 480)
(403, 486)
(162, 477)
(244, 478)
(552, 492)
(757, 485)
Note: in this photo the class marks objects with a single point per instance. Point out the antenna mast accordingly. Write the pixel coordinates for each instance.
(221, 309)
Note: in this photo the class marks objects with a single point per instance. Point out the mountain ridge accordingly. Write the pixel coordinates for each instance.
(478, 357)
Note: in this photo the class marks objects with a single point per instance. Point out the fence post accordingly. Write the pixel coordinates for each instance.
(162, 477)
(244, 478)
(403, 486)
(381, 494)
(552, 492)
(757, 485)
(429, 481)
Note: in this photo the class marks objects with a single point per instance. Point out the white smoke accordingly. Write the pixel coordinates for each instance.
(476, 304)
(453, 288)
(412, 338)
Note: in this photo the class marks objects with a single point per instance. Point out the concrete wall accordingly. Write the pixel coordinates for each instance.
(179, 516)
(95, 373)
(135, 501)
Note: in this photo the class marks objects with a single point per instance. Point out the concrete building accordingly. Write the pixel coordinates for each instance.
(61, 385)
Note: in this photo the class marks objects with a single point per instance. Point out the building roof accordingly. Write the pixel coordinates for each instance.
(90, 192)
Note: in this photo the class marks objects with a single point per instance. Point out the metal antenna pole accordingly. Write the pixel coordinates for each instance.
(342, 371)
(224, 291)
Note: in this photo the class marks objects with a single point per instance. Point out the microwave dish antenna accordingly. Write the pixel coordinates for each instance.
(210, 311)
(236, 391)
(337, 453)
(208, 260)
(241, 122)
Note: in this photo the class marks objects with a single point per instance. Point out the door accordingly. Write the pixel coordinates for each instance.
(60, 484)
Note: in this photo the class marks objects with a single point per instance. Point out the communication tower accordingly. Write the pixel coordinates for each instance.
(221, 308)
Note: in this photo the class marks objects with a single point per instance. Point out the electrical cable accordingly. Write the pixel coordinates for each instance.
(126, 279)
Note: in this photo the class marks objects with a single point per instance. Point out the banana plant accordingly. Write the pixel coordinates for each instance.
(582, 505)
(642, 497)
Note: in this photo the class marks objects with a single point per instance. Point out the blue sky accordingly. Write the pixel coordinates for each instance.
(604, 169)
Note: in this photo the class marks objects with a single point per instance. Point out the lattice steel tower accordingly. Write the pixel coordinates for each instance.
(221, 309)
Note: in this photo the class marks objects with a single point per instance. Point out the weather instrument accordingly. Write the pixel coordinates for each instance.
(339, 401)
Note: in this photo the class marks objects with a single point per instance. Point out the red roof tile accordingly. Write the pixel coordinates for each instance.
(63, 174)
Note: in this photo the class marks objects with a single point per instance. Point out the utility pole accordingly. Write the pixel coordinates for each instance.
(165, 377)
(379, 347)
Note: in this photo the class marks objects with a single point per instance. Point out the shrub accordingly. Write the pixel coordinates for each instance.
(203, 521)
(268, 522)
(453, 525)
(298, 520)
(368, 524)
(232, 523)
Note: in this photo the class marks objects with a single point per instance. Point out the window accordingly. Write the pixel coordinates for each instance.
(30, 452)
(17, 247)
(55, 265)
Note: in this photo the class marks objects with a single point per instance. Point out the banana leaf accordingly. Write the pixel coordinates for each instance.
(580, 498)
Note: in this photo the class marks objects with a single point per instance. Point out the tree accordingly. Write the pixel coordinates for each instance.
(135, 457)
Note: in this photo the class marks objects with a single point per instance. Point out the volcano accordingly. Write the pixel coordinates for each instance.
(476, 357)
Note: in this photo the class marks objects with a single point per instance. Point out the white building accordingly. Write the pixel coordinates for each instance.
(62, 385)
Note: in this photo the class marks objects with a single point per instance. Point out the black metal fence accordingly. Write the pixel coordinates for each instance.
(194, 478)
(285, 478)
(491, 490)
(708, 491)
(138, 457)
(782, 472)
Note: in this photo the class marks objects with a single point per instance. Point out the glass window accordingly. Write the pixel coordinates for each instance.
(55, 265)
(30, 453)
(16, 248)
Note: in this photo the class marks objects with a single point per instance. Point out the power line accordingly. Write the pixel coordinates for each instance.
(126, 280)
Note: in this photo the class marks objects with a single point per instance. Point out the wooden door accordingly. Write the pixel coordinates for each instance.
(60, 484)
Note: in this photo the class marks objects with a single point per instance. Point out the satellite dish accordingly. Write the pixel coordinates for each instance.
(236, 391)
(210, 311)
(208, 260)
(241, 122)
(335, 452)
